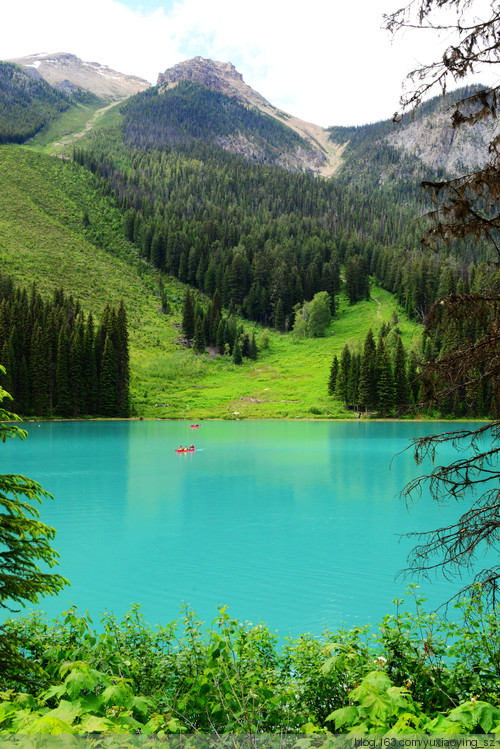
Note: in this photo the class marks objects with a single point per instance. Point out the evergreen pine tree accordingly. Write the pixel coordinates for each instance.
(402, 392)
(237, 356)
(230, 334)
(385, 380)
(353, 381)
(245, 346)
(253, 348)
(122, 362)
(63, 400)
(39, 374)
(76, 377)
(332, 382)
(199, 336)
(343, 374)
(367, 378)
(279, 317)
(221, 337)
(413, 382)
(188, 319)
(108, 382)
(91, 382)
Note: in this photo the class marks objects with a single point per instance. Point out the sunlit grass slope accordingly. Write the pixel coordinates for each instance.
(59, 135)
(58, 230)
(289, 379)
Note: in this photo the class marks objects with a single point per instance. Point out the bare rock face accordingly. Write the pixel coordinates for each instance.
(438, 145)
(322, 157)
(218, 76)
(69, 73)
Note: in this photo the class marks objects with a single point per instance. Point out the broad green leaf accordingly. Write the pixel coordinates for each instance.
(90, 703)
(379, 680)
(49, 725)
(56, 691)
(25, 700)
(66, 711)
(7, 710)
(376, 706)
(76, 681)
(117, 694)
(94, 724)
(399, 697)
(485, 715)
(329, 665)
(20, 719)
(344, 716)
(406, 723)
(141, 705)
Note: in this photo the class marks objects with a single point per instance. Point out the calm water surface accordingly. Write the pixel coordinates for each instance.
(293, 524)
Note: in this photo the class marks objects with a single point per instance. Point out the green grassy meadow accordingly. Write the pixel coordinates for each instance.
(45, 239)
(59, 136)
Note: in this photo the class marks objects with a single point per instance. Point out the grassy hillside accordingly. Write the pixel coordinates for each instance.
(57, 229)
(59, 135)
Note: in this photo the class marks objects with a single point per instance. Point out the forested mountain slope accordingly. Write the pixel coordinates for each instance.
(422, 145)
(257, 233)
(26, 104)
(318, 154)
(57, 228)
(168, 201)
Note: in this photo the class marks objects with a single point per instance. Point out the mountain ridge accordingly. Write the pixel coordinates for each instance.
(224, 78)
(67, 72)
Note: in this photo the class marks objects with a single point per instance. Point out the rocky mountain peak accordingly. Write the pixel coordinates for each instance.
(323, 156)
(68, 72)
(218, 76)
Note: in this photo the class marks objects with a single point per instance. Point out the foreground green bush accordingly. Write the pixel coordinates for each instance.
(414, 673)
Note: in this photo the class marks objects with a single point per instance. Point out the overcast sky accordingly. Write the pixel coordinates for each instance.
(326, 61)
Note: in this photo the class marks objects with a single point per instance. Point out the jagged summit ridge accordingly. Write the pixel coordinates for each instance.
(216, 75)
(67, 71)
(323, 155)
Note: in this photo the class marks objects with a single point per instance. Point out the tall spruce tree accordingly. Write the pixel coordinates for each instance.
(237, 355)
(402, 391)
(199, 336)
(385, 380)
(122, 362)
(188, 319)
(367, 377)
(332, 381)
(279, 317)
(63, 399)
(108, 382)
(343, 374)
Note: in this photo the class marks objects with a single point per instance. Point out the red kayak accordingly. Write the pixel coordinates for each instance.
(195, 426)
(185, 449)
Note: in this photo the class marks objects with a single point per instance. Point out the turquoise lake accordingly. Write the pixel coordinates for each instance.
(295, 524)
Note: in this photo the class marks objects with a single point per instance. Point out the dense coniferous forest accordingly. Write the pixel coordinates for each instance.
(26, 104)
(382, 376)
(191, 111)
(59, 361)
(267, 239)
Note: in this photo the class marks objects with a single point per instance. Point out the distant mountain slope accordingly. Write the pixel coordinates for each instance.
(322, 156)
(190, 111)
(420, 146)
(69, 73)
(57, 229)
(26, 105)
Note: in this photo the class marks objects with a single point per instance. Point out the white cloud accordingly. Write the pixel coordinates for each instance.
(326, 61)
